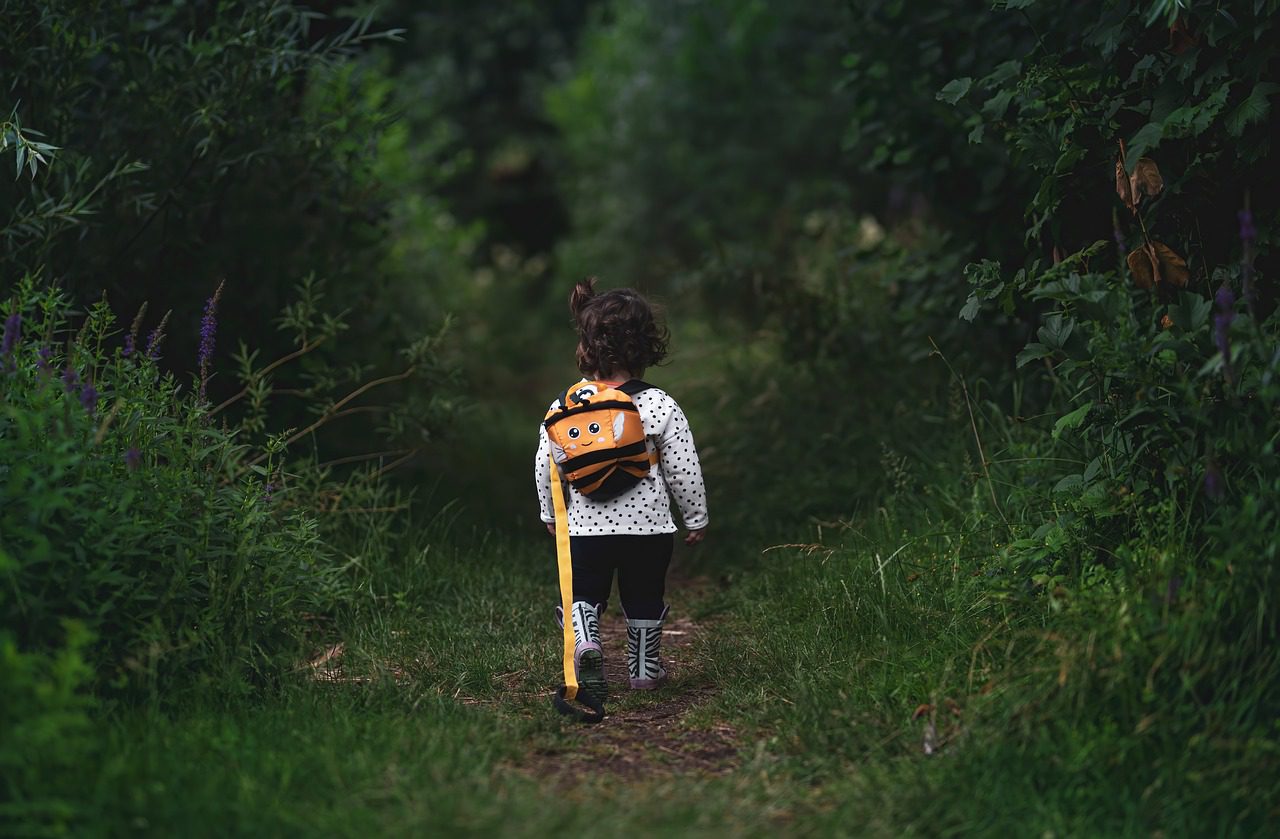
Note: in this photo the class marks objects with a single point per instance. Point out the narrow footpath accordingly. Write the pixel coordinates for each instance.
(650, 734)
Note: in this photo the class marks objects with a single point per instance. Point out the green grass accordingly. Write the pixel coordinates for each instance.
(329, 760)
(1079, 711)
(821, 657)
(1051, 719)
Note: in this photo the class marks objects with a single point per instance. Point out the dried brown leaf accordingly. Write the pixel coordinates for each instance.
(1124, 188)
(1141, 267)
(921, 710)
(1145, 180)
(1173, 268)
(1155, 263)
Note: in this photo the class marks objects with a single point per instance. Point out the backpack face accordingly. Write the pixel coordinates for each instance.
(597, 438)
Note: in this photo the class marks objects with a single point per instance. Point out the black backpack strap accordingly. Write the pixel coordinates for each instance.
(633, 386)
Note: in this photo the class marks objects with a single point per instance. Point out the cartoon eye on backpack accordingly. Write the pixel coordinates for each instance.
(597, 439)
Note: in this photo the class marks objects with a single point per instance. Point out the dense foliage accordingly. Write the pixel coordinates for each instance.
(163, 150)
(973, 309)
(1092, 401)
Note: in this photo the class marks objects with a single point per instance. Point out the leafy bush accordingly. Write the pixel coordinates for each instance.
(128, 510)
(1159, 360)
(191, 552)
(207, 141)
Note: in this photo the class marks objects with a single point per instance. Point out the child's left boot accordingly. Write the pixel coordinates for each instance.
(588, 655)
(644, 652)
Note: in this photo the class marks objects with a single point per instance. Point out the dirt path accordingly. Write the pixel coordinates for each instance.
(645, 735)
(648, 734)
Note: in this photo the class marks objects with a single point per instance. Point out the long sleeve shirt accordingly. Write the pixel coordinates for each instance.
(644, 509)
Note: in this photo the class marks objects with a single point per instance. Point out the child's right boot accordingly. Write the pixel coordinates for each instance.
(644, 652)
(588, 655)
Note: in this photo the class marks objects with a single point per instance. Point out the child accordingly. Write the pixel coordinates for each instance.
(618, 339)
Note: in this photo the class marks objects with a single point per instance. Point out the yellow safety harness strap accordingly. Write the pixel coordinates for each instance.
(564, 562)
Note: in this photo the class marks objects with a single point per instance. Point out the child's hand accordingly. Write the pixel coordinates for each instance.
(551, 528)
(695, 536)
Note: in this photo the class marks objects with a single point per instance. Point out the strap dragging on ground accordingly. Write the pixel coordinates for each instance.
(567, 693)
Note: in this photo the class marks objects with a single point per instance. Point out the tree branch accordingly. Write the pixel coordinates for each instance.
(337, 406)
(298, 353)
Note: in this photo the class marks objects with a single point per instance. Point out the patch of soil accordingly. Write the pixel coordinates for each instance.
(647, 734)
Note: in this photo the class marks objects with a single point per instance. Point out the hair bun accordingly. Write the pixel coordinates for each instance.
(581, 296)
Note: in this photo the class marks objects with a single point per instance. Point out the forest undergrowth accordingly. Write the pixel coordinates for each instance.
(881, 674)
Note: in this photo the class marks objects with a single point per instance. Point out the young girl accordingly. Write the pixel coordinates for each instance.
(618, 339)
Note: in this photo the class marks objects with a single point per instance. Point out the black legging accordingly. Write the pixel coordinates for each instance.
(641, 563)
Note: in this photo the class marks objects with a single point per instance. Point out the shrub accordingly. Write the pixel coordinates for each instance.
(193, 548)
(128, 510)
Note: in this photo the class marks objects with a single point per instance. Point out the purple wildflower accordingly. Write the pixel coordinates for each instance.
(1213, 481)
(266, 492)
(208, 330)
(42, 360)
(156, 338)
(89, 397)
(70, 379)
(1119, 237)
(131, 340)
(133, 458)
(1248, 232)
(12, 332)
(1248, 235)
(1226, 302)
(1225, 298)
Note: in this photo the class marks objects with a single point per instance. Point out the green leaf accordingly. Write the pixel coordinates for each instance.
(1253, 109)
(1070, 482)
(996, 106)
(1192, 311)
(1056, 330)
(1003, 73)
(1144, 64)
(971, 308)
(1147, 138)
(955, 90)
(1071, 420)
(1033, 352)
(1209, 109)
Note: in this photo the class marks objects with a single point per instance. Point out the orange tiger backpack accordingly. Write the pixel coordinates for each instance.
(597, 439)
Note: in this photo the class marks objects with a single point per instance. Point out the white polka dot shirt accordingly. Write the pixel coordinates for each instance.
(645, 509)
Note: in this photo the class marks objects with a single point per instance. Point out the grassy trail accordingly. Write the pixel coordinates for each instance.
(805, 685)
(441, 721)
(650, 735)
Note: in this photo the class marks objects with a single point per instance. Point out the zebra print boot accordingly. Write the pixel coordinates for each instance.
(644, 648)
(588, 655)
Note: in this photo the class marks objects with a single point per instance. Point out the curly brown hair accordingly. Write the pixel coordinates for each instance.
(618, 331)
